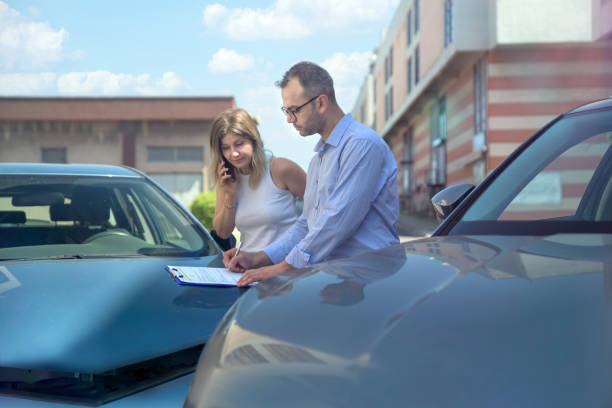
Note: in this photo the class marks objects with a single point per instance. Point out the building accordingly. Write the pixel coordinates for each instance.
(168, 138)
(457, 85)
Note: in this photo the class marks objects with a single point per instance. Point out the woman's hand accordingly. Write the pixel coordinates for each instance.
(227, 181)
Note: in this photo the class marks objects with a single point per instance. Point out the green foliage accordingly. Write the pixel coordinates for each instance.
(203, 207)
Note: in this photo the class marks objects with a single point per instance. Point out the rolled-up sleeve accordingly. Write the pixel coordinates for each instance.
(348, 199)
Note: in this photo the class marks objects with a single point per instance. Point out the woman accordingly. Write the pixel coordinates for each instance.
(256, 192)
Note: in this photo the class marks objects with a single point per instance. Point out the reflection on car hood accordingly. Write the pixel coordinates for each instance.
(91, 316)
(444, 321)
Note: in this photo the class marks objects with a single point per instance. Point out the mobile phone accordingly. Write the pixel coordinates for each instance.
(230, 168)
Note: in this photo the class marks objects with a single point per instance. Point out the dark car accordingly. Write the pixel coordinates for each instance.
(88, 313)
(508, 304)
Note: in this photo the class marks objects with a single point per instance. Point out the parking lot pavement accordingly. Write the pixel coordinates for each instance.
(413, 226)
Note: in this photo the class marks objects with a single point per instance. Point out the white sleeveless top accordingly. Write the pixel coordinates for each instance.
(263, 215)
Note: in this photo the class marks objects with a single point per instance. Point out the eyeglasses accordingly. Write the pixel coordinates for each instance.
(293, 111)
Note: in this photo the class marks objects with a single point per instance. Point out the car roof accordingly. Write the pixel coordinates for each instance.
(67, 169)
(601, 104)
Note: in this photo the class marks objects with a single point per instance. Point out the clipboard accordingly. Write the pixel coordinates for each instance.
(202, 276)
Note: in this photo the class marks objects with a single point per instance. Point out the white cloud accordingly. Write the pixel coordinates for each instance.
(169, 84)
(295, 19)
(108, 83)
(26, 84)
(229, 61)
(347, 68)
(26, 45)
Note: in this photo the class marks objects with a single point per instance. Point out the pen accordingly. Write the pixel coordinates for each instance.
(238, 249)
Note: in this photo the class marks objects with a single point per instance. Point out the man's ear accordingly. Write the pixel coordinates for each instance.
(322, 104)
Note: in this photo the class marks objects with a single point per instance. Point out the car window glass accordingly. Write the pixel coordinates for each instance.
(144, 231)
(561, 179)
(43, 216)
(559, 188)
(176, 231)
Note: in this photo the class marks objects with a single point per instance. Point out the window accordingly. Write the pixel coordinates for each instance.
(375, 91)
(408, 162)
(437, 134)
(175, 154)
(442, 120)
(480, 103)
(448, 22)
(409, 28)
(480, 116)
(417, 58)
(416, 16)
(409, 75)
(56, 155)
(389, 103)
(389, 65)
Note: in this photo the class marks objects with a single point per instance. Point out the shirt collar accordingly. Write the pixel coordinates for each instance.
(336, 135)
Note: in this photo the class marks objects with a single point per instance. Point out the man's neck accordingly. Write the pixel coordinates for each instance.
(335, 116)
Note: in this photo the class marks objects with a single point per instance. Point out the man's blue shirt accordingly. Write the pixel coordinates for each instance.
(350, 203)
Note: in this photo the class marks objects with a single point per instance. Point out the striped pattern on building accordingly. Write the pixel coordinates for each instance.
(529, 86)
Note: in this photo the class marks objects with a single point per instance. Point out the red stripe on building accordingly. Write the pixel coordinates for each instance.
(517, 109)
(534, 215)
(459, 175)
(551, 81)
(422, 154)
(461, 127)
(551, 54)
(574, 163)
(493, 162)
(459, 151)
(573, 189)
(460, 104)
(509, 136)
(459, 83)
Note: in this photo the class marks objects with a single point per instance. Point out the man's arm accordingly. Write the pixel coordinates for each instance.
(278, 250)
(357, 184)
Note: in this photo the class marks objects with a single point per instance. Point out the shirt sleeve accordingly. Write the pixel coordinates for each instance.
(359, 180)
(278, 250)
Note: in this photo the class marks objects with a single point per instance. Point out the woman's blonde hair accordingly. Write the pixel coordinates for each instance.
(239, 122)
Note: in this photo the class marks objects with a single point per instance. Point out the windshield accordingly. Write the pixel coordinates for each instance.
(49, 216)
(560, 183)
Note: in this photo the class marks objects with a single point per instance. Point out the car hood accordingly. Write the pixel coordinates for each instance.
(445, 321)
(91, 316)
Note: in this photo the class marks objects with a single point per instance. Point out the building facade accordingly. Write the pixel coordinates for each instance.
(458, 85)
(168, 138)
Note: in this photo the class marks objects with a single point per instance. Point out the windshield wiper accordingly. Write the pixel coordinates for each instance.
(76, 256)
(169, 252)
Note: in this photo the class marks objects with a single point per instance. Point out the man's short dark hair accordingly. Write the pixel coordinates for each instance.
(314, 79)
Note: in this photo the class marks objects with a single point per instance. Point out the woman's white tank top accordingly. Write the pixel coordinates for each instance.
(263, 215)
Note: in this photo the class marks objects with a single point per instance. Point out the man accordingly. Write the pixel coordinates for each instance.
(350, 203)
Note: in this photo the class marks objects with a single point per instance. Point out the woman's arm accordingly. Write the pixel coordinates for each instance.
(287, 175)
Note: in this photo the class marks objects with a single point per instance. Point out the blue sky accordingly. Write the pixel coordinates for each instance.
(190, 48)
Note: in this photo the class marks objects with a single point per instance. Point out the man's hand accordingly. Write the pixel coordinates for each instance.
(259, 274)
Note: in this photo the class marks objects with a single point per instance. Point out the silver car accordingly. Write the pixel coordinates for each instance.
(508, 304)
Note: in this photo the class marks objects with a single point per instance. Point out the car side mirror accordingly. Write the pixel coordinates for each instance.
(448, 199)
